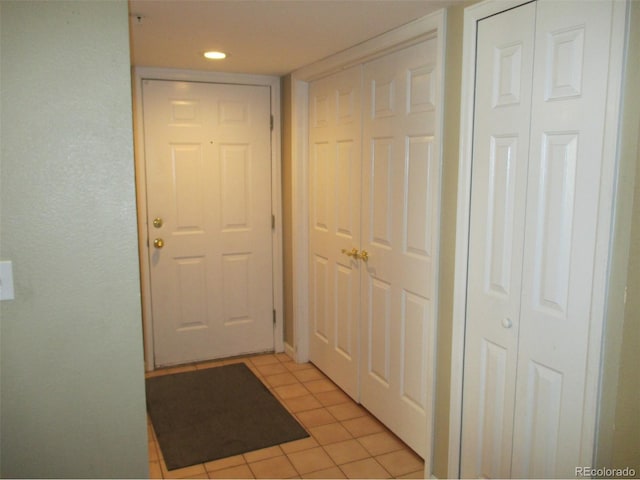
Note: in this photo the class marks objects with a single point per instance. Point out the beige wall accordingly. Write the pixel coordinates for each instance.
(72, 380)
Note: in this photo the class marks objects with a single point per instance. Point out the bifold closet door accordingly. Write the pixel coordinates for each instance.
(400, 218)
(533, 233)
(498, 197)
(334, 226)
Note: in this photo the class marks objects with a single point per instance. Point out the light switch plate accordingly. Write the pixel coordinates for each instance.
(6, 280)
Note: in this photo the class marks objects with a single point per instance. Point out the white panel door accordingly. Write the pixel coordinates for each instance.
(208, 160)
(400, 218)
(533, 233)
(334, 193)
(565, 161)
(499, 175)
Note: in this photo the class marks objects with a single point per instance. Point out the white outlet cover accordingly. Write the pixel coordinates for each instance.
(6, 280)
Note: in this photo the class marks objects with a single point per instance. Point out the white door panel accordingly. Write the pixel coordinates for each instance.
(334, 192)
(401, 191)
(567, 125)
(499, 172)
(208, 160)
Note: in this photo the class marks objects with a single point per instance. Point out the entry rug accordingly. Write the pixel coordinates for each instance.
(215, 413)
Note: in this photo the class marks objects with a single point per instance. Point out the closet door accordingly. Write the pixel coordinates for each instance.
(533, 238)
(400, 219)
(334, 193)
(499, 186)
(565, 162)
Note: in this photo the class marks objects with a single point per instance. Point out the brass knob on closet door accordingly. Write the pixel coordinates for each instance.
(363, 255)
(351, 253)
(157, 222)
(158, 243)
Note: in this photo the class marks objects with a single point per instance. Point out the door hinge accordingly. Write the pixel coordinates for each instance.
(274, 316)
(271, 123)
(273, 222)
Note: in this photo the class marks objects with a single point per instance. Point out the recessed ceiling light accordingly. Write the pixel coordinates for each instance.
(215, 55)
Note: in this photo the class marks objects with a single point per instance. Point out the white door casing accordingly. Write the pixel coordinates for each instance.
(208, 162)
(334, 223)
(571, 160)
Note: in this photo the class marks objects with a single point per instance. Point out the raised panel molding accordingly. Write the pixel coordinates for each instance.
(565, 59)
(344, 308)
(320, 295)
(544, 387)
(421, 89)
(233, 113)
(185, 113)
(381, 191)
(345, 221)
(345, 102)
(417, 329)
(384, 93)
(320, 111)
(187, 164)
(192, 287)
(236, 296)
(503, 165)
(507, 72)
(379, 330)
(418, 201)
(320, 161)
(555, 209)
(493, 368)
(235, 186)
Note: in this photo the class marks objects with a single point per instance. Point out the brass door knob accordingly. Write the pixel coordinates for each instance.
(157, 222)
(158, 243)
(350, 253)
(363, 255)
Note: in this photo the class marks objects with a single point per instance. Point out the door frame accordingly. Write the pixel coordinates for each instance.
(273, 82)
(423, 28)
(608, 181)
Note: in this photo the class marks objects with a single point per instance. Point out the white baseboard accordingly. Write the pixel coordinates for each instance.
(289, 350)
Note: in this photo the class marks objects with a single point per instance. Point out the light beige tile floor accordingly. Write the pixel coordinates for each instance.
(346, 441)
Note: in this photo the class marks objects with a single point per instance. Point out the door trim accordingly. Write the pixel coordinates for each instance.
(608, 181)
(144, 73)
(429, 26)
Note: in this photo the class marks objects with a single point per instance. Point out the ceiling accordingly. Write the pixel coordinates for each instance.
(270, 37)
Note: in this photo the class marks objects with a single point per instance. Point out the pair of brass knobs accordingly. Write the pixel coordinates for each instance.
(158, 242)
(363, 255)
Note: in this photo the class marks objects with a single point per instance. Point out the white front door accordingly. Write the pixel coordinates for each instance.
(208, 162)
(400, 231)
(533, 238)
(334, 226)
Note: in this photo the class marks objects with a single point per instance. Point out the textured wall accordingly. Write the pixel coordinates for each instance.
(72, 385)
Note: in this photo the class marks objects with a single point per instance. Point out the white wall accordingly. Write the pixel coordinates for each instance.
(72, 384)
